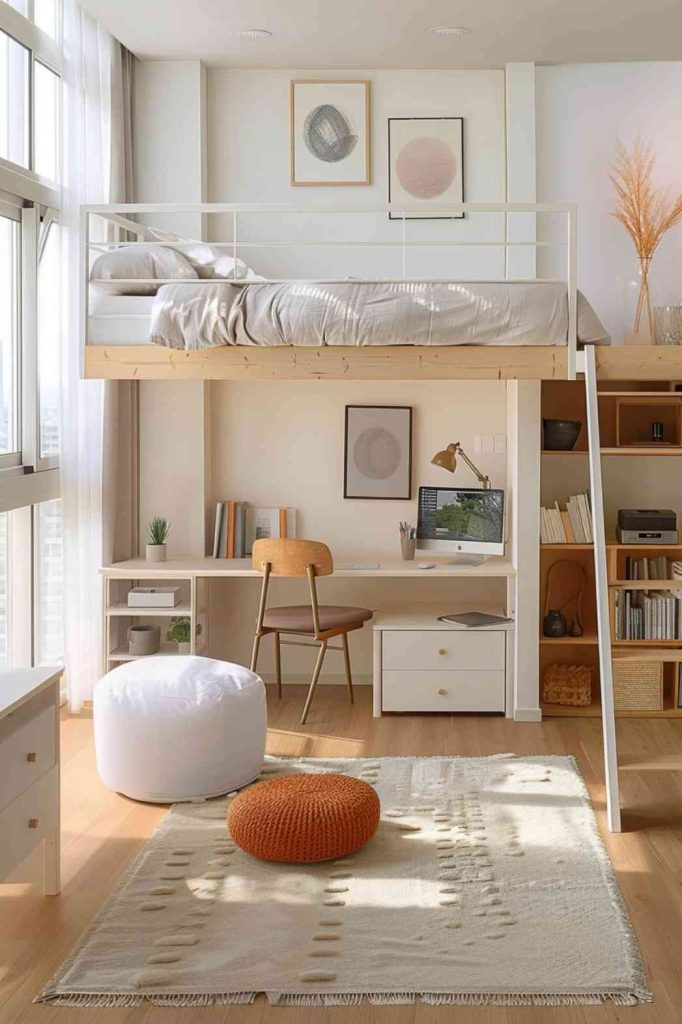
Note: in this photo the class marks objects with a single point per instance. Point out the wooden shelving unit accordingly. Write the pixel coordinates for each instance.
(617, 402)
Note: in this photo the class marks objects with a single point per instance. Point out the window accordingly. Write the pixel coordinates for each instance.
(48, 585)
(45, 121)
(31, 570)
(46, 16)
(43, 13)
(15, 63)
(49, 351)
(9, 334)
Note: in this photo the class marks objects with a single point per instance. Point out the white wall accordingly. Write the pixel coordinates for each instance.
(581, 111)
(169, 137)
(282, 443)
(248, 161)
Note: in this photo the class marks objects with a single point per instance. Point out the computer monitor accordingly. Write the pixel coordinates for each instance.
(467, 522)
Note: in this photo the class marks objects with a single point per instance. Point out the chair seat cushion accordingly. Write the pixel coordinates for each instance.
(301, 819)
(299, 618)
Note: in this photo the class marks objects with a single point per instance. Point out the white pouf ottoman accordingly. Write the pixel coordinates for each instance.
(177, 727)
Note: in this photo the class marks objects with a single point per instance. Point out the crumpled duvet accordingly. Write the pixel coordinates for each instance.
(199, 316)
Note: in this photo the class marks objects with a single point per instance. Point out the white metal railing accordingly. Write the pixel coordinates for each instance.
(120, 217)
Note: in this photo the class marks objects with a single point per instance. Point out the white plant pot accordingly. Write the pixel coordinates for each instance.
(184, 648)
(156, 553)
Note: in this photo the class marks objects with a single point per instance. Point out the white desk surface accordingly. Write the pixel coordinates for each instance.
(189, 567)
(426, 617)
(20, 684)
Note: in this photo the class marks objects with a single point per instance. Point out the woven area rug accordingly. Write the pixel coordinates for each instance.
(487, 882)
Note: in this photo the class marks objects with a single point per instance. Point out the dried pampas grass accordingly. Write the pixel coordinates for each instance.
(645, 211)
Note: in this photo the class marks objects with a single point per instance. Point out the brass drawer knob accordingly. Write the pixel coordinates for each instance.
(443, 693)
(33, 823)
(32, 757)
(441, 650)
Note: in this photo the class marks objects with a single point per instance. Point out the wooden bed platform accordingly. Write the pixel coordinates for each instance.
(150, 362)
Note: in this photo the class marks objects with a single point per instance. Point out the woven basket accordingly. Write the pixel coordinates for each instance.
(638, 685)
(570, 685)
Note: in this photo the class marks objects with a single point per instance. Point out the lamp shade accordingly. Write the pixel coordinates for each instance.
(446, 459)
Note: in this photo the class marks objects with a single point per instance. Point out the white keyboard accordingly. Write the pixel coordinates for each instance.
(360, 566)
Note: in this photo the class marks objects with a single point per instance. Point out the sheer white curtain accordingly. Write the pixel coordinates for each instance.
(92, 154)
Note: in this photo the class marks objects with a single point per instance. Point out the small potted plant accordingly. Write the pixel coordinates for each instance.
(158, 529)
(179, 632)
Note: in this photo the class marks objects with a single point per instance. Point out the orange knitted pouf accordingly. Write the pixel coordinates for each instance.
(304, 818)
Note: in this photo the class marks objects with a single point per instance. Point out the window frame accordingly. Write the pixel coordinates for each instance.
(27, 479)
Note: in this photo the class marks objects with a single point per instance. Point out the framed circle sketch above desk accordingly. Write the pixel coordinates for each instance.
(378, 452)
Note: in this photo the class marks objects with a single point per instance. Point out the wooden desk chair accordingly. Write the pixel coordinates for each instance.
(295, 559)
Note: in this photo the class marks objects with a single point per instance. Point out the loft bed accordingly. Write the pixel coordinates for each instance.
(116, 337)
(158, 305)
(420, 324)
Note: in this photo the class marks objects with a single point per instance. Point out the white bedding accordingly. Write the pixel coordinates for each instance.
(193, 317)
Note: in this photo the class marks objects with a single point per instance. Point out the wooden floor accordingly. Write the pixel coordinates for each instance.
(102, 831)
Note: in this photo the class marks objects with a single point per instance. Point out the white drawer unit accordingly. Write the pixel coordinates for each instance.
(29, 770)
(423, 665)
(437, 650)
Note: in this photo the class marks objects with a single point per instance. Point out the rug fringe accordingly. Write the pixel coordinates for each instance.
(104, 1000)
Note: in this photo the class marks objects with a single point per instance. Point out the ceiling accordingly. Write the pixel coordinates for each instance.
(394, 33)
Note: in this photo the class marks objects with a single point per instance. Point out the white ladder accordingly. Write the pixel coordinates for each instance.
(588, 365)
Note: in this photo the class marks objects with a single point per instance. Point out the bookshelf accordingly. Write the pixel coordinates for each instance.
(625, 415)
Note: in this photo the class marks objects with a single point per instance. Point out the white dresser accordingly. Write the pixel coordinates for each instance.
(421, 664)
(29, 770)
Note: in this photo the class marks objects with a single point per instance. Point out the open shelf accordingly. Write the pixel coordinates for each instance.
(149, 613)
(649, 450)
(563, 641)
(566, 547)
(122, 654)
(646, 585)
(592, 710)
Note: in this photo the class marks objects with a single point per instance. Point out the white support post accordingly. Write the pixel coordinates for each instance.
(572, 286)
(602, 594)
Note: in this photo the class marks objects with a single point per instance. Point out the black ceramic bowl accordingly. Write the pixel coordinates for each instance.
(560, 435)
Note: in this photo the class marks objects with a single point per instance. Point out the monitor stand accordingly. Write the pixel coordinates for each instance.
(467, 560)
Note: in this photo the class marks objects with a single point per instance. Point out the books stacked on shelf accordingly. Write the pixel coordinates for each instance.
(238, 524)
(660, 568)
(570, 525)
(648, 615)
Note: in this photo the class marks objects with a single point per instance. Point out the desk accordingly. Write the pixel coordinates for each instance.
(191, 572)
(192, 568)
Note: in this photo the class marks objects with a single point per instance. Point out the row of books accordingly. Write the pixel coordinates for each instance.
(238, 524)
(660, 568)
(570, 525)
(655, 615)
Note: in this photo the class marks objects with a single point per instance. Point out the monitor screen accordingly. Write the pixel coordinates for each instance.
(460, 515)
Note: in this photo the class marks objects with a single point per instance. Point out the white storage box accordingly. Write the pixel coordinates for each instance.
(153, 597)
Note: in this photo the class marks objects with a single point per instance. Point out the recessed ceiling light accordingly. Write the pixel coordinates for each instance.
(446, 30)
(253, 33)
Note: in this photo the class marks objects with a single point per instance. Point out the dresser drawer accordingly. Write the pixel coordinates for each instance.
(27, 749)
(435, 649)
(28, 820)
(443, 691)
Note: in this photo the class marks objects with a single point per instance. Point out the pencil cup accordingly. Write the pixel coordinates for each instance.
(407, 548)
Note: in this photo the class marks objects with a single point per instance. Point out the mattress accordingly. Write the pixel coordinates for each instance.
(192, 316)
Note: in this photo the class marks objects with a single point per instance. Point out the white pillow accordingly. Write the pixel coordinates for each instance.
(141, 264)
(210, 262)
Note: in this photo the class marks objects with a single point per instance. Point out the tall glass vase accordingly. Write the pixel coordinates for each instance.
(644, 307)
